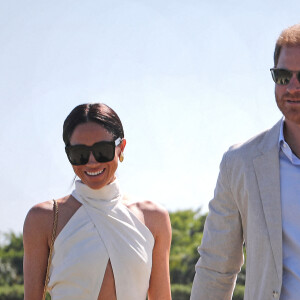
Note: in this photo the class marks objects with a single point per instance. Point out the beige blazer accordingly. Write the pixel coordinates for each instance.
(246, 209)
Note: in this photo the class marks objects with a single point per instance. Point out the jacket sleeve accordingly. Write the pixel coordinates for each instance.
(221, 250)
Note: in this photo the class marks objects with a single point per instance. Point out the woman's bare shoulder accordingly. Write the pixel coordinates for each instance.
(155, 216)
(38, 224)
(147, 206)
(39, 219)
(39, 214)
(152, 208)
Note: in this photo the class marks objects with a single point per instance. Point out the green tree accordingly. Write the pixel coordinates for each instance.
(11, 267)
(187, 228)
(11, 259)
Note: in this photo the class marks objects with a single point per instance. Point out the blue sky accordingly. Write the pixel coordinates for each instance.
(187, 78)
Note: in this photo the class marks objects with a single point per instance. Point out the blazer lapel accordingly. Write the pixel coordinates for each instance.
(268, 177)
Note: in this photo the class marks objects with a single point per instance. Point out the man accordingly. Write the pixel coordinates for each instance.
(257, 201)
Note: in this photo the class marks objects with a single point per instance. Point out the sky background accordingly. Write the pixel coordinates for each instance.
(187, 78)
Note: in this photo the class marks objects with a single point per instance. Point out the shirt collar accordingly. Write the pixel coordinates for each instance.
(281, 136)
(285, 148)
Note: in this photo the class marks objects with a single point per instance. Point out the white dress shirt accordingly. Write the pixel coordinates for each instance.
(290, 202)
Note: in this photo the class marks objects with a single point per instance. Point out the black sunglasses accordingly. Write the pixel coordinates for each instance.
(283, 76)
(103, 152)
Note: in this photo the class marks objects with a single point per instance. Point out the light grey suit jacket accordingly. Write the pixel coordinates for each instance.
(246, 208)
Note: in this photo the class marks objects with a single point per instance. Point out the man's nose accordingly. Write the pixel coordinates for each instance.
(294, 84)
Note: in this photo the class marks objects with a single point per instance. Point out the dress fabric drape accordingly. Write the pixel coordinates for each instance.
(101, 229)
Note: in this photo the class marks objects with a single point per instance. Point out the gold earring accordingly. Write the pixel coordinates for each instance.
(121, 158)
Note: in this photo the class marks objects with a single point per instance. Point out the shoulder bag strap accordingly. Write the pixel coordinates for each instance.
(55, 215)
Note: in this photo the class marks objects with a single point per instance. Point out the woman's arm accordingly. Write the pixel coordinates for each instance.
(36, 234)
(160, 276)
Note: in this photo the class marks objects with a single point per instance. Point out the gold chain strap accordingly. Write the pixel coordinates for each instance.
(55, 208)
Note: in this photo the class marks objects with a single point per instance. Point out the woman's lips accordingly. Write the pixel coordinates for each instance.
(95, 173)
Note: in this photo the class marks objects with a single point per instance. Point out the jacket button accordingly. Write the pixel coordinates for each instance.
(275, 294)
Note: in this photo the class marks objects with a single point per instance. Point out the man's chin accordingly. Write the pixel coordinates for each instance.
(292, 119)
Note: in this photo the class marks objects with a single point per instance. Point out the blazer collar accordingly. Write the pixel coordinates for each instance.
(266, 168)
(271, 139)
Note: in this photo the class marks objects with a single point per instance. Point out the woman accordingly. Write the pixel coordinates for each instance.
(106, 247)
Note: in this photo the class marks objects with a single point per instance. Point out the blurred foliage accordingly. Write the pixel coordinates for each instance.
(11, 267)
(187, 228)
(180, 291)
(11, 259)
(238, 292)
(14, 292)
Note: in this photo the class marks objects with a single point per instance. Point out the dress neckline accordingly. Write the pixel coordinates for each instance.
(102, 199)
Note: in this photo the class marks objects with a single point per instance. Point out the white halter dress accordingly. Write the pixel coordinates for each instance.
(101, 229)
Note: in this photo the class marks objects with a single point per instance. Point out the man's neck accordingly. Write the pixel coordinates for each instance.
(292, 136)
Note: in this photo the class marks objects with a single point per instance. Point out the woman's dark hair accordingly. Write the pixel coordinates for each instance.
(99, 113)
